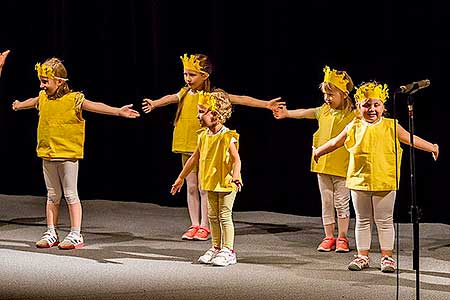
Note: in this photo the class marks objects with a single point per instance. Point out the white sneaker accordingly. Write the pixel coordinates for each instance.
(208, 256)
(72, 241)
(387, 264)
(360, 262)
(47, 240)
(224, 258)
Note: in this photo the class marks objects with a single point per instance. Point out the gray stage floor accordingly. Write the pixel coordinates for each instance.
(133, 251)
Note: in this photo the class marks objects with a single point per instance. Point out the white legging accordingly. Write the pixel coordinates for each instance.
(370, 207)
(61, 178)
(335, 196)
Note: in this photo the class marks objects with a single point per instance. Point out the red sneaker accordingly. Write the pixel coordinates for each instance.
(202, 234)
(342, 245)
(328, 244)
(190, 233)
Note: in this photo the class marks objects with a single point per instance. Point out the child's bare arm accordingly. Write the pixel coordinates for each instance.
(101, 108)
(253, 102)
(301, 113)
(419, 143)
(190, 163)
(236, 159)
(148, 105)
(26, 104)
(331, 145)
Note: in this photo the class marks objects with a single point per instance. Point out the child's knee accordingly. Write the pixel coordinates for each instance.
(72, 198)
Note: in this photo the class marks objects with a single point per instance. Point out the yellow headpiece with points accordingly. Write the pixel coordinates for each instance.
(45, 71)
(372, 90)
(207, 100)
(336, 79)
(191, 63)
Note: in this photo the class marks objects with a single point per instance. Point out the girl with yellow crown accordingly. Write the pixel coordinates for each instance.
(3, 56)
(219, 165)
(60, 144)
(197, 70)
(373, 142)
(332, 116)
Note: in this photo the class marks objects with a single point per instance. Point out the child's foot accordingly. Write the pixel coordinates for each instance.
(328, 244)
(387, 264)
(72, 241)
(224, 258)
(202, 234)
(342, 245)
(208, 256)
(190, 233)
(48, 240)
(360, 262)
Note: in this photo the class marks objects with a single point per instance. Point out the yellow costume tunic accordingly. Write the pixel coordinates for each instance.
(187, 124)
(372, 155)
(61, 127)
(215, 164)
(331, 123)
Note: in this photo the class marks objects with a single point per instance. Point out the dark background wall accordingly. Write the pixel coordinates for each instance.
(119, 53)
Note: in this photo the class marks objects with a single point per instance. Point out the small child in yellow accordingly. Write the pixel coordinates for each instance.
(373, 142)
(219, 165)
(60, 138)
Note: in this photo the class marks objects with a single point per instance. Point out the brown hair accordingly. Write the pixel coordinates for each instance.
(60, 71)
(223, 105)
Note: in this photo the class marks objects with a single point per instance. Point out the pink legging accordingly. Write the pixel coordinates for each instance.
(370, 207)
(335, 196)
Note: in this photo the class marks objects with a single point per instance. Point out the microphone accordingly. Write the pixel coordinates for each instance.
(414, 87)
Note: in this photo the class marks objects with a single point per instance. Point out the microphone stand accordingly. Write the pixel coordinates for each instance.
(414, 207)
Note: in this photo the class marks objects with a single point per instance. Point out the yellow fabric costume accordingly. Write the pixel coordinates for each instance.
(331, 123)
(186, 126)
(372, 156)
(215, 165)
(61, 127)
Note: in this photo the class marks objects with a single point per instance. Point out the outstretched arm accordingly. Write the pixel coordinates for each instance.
(3, 56)
(101, 108)
(253, 102)
(149, 105)
(190, 163)
(331, 145)
(419, 143)
(26, 104)
(236, 160)
(300, 113)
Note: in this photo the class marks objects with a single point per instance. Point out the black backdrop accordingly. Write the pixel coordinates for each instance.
(119, 53)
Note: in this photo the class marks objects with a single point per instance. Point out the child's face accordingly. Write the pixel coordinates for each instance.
(194, 79)
(49, 85)
(206, 117)
(334, 99)
(372, 109)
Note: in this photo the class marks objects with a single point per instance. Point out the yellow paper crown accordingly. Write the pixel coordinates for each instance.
(207, 100)
(45, 71)
(372, 90)
(191, 63)
(336, 79)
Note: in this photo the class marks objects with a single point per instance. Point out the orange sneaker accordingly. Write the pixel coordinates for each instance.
(342, 245)
(328, 244)
(190, 233)
(202, 234)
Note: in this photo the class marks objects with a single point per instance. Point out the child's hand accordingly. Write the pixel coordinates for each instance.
(147, 105)
(176, 187)
(3, 56)
(315, 155)
(238, 183)
(16, 105)
(281, 112)
(275, 103)
(435, 152)
(127, 112)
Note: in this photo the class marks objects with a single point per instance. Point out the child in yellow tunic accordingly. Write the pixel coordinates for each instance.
(60, 145)
(220, 174)
(3, 56)
(197, 69)
(337, 111)
(373, 143)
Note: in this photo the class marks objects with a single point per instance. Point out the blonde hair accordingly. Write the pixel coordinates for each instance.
(60, 71)
(223, 107)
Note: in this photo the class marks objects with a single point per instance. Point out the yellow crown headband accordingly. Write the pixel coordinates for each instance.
(191, 63)
(207, 100)
(46, 71)
(336, 79)
(372, 90)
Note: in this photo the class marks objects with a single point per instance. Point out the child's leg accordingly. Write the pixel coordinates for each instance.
(213, 215)
(226, 201)
(342, 205)
(362, 202)
(54, 191)
(383, 210)
(326, 192)
(193, 199)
